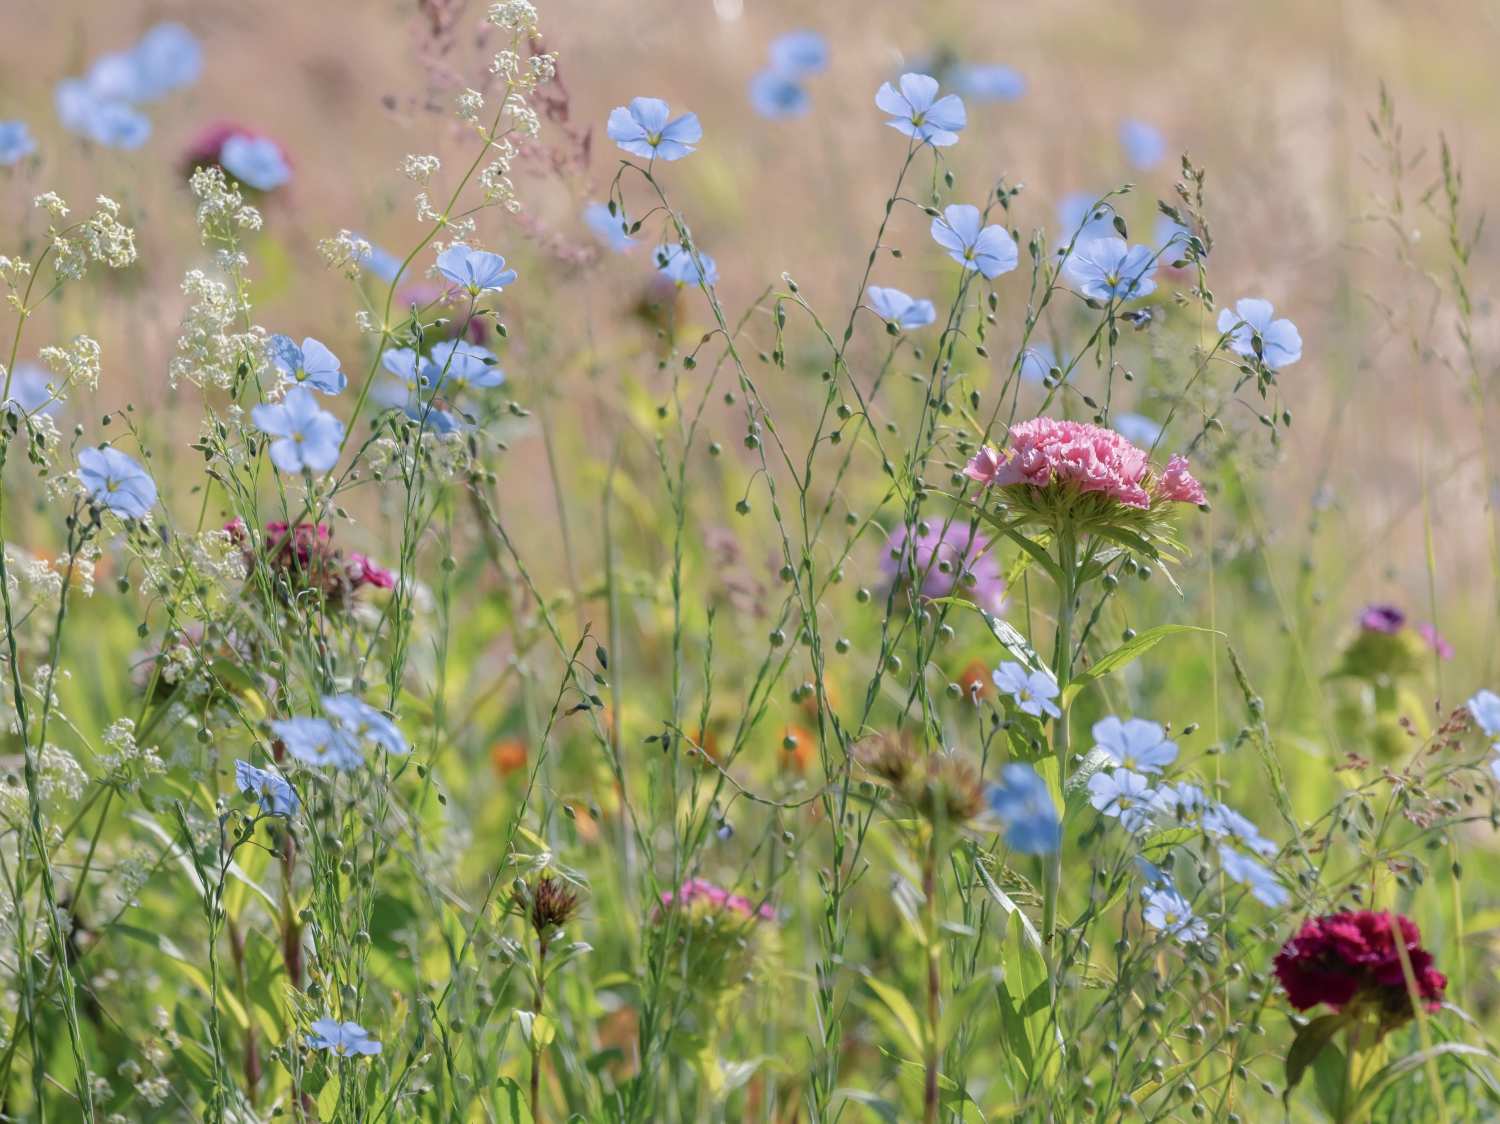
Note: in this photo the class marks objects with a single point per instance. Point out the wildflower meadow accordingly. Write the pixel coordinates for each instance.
(772, 562)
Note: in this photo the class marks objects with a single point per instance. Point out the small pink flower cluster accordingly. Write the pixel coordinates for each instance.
(1045, 451)
(307, 552)
(701, 890)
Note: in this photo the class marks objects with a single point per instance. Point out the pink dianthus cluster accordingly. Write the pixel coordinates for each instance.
(700, 889)
(1343, 956)
(1045, 451)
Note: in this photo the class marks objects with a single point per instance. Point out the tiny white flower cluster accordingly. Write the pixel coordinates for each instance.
(222, 210)
(78, 363)
(60, 779)
(514, 15)
(345, 251)
(131, 764)
(29, 574)
(420, 169)
(470, 106)
(210, 350)
(101, 237)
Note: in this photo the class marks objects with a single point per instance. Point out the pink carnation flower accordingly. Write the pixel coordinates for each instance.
(702, 890)
(1045, 451)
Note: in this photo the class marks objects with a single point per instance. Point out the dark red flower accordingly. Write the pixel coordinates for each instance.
(1352, 958)
(306, 558)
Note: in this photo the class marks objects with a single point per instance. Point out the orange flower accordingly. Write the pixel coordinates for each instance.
(507, 756)
(797, 749)
(975, 681)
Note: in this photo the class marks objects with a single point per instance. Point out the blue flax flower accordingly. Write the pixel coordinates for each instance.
(1280, 342)
(1138, 429)
(642, 129)
(362, 723)
(167, 58)
(276, 796)
(31, 391)
(1037, 362)
(1171, 238)
(1222, 821)
(918, 112)
(1485, 709)
(1022, 801)
(778, 96)
(1082, 221)
(677, 264)
(457, 365)
(16, 142)
(611, 229)
(895, 307)
(1125, 795)
(1169, 912)
(382, 263)
(311, 364)
(316, 741)
(990, 249)
(1144, 145)
(342, 1039)
(117, 125)
(307, 436)
(1107, 269)
(476, 271)
(799, 53)
(255, 161)
(1264, 887)
(1134, 744)
(1033, 691)
(989, 82)
(116, 481)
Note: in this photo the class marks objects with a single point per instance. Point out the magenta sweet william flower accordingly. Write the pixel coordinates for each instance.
(1349, 958)
(1435, 640)
(1087, 457)
(950, 561)
(364, 572)
(701, 890)
(1388, 619)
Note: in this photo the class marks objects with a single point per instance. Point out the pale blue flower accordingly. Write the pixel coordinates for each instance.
(1124, 795)
(1171, 238)
(31, 391)
(778, 96)
(1022, 801)
(316, 741)
(1144, 145)
(990, 249)
(1107, 269)
(1037, 362)
(1181, 803)
(895, 307)
(642, 129)
(1485, 708)
(16, 142)
(1033, 691)
(342, 1039)
(409, 387)
(1280, 342)
(168, 57)
(116, 125)
(1138, 429)
(989, 82)
(799, 53)
(476, 271)
(311, 364)
(276, 796)
(117, 481)
(918, 112)
(1222, 821)
(257, 162)
(1082, 221)
(307, 436)
(1264, 887)
(677, 264)
(75, 104)
(457, 365)
(363, 724)
(611, 229)
(1167, 911)
(1134, 744)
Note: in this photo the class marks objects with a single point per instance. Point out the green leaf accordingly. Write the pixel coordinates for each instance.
(510, 1102)
(1399, 1068)
(328, 1099)
(1307, 1046)
(1137, 646)
(901, 1009)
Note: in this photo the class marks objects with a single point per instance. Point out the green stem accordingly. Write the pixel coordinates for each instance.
(1062, 669)
(934, 978)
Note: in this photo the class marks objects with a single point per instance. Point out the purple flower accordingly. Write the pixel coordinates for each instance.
(1388, 619)
(951, 561)
(1428, 632)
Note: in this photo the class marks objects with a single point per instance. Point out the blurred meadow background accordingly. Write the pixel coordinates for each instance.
(592, 598)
